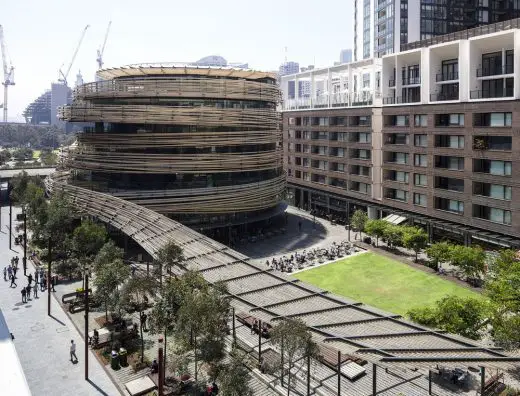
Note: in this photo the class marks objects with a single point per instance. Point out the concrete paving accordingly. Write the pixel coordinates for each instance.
(322, 234)
(42, 342)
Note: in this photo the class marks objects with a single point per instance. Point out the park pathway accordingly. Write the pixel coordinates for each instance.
(43, 342)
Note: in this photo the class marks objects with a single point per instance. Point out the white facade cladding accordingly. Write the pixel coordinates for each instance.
(347, 85)
(481, 68)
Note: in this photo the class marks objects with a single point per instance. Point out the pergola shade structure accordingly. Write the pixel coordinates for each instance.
(199, 144)
(350, 326)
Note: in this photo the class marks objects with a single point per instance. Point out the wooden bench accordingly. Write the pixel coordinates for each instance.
(249, 321)
(329, 356)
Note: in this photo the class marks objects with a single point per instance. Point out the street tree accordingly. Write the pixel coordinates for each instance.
(358, 221)
(110, 273)
(169, 257)
(234, 376)
(136, 295)
(415, 238)
(470, 260)
(467, 317)
(294, 340)
(502, 287)
(87, 240)
(376, 228)
(439, 253)
(393, 235)
(201, 319)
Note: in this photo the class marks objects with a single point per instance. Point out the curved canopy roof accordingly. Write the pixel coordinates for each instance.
(177, 69)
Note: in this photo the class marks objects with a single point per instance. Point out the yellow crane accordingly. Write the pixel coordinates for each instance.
(8, 72)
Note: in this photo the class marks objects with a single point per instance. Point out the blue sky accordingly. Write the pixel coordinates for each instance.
(41, 35)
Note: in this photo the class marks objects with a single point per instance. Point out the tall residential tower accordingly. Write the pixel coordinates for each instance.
(382, 26)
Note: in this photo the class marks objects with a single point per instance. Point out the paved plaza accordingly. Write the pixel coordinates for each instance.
(43, 342)
(321, 235)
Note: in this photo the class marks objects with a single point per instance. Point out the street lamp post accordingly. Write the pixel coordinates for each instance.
(49, 279)
(86, 271)
(25, 242)
(9, 187)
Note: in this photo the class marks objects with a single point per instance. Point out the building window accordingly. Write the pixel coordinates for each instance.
(492, 214)
(399, 158)
(495, 191)
(364, 137)
(450, 120)
(420, 120)
(448, 162)
(401, 177)
(500, 168)
(366, 80)
(449, 205)
(420, 180)
(420, 160)
(419, 199)
(500, 119)
(401, 120)
(399, 195)
(420, 140)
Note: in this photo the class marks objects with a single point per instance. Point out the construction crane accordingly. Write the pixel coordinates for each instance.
(63, 76)
(8, 72)
(100, 52)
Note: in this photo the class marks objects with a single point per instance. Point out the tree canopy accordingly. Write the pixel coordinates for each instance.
(376, 228)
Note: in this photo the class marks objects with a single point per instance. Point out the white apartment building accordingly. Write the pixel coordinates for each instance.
(346, 85)
(481, 68)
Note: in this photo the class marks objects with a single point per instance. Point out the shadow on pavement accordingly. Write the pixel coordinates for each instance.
(292, 240)
(57, 320)
(101, 391)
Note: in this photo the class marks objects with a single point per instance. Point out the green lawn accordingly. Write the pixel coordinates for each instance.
(36, 154)
(383, 283)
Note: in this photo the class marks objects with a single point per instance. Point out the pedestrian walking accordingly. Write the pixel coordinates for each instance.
(30, 279)
(9, 271)
(28, 292)
(13, 281)
(24, 297)
(53, 282)
(73, 351)
(42, 284)
(5, 274)
(143, 321)
(35, 290)
(15, 268)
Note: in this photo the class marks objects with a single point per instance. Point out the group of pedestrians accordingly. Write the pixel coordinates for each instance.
(39, 278)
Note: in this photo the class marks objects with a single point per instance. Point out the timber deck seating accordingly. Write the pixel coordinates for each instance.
(329, 356)
(249, 321)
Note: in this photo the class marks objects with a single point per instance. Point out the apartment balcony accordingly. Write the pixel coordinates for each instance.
(412, 81)
(439, 97)
(481, 94)
(495, 71)
(440, 77)
(449, 184)
(391, 100)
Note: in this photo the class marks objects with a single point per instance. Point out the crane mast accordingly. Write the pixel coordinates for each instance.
(101, 51)
(64, 76)
(8, 72)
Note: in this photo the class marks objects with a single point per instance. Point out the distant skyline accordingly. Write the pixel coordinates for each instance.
(42, 35)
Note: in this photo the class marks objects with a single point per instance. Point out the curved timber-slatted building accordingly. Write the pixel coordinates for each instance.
(199, 144)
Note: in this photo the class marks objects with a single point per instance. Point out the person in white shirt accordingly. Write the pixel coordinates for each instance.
(73, 351)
